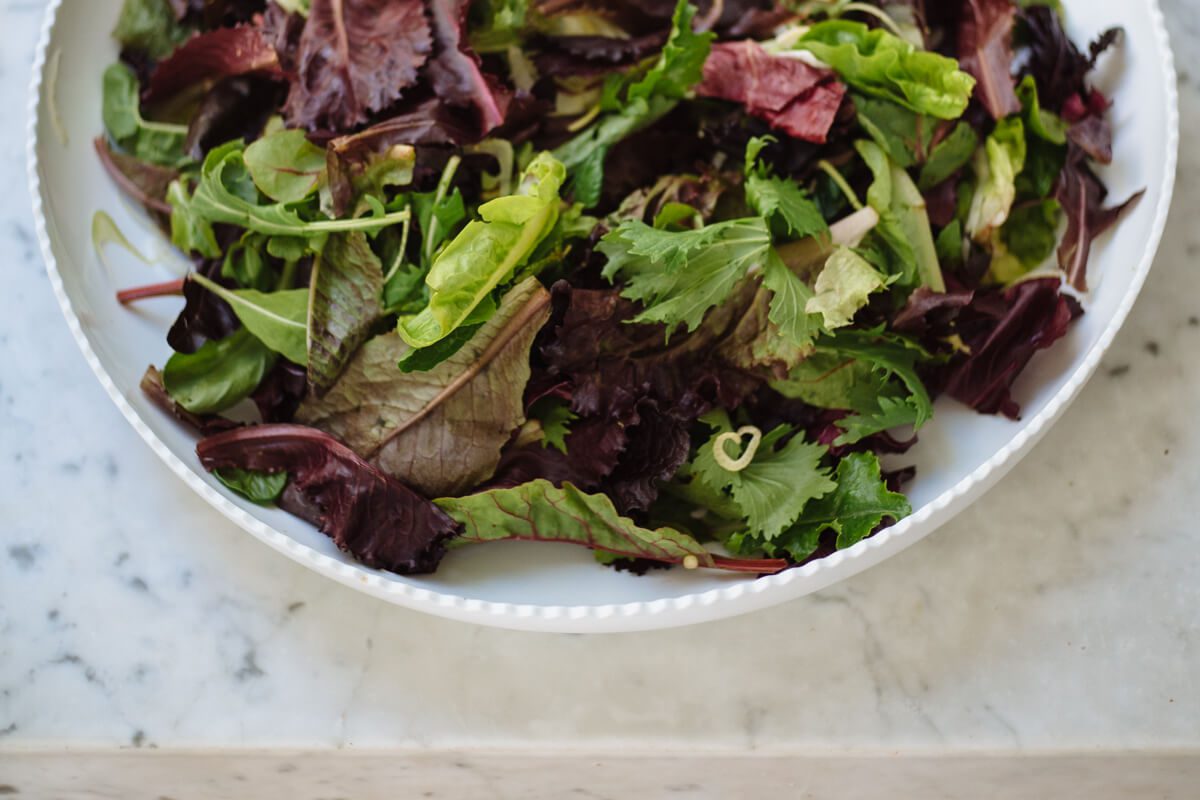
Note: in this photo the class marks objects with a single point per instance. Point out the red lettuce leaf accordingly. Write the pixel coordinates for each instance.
(356, 57)
(1082, 197)
(927, 310)
(204, 316)
(221, 53)
(1054, 61)
(589, 55)
(454, 71)
(144, 182)
(790, 95)
(374, 518)
(985, 51)
(235, 108)
(281, 392)
(1003, 331)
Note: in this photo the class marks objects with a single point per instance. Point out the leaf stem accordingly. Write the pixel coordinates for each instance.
(840, 182)
(442, 190)
(168, 289)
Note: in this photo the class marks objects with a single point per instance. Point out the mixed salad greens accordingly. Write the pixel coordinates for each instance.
(660, 279)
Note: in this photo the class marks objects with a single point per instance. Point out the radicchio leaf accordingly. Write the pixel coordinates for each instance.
(454, 71)
(217, 54)
(442, 430)
(1003, 332)
(1082, 197)
(347, 283)
(985, 51)
(356, 57)
(792, 96)
(376, 519)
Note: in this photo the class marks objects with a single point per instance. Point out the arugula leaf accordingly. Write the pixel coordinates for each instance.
(857, 506)
(903, 221)
(781, 200)
(680, 275)
(221, 196)
(948, 156)
(190, 231)
(774, 488)
(637, 105)
(285, 166)
(843, 287)
(996, 168)
(257, 487)
(157, 142)
(903, 134)
(219, 375)
(882, 64)
(343, 304)
(540, 511)
(277, 319)
(487, 253)
(149, 26)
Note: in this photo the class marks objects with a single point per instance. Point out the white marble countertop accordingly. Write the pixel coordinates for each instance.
(1061, 613)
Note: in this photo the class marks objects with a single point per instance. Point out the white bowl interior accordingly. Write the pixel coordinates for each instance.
(959, 453)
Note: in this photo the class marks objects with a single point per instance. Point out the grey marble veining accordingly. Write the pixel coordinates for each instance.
(1061, 612)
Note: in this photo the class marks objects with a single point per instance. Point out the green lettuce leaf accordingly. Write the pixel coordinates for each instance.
(882, 64)
(843, 287)
(903, 221)
(903, 134)
(487, 253)
(996, 166)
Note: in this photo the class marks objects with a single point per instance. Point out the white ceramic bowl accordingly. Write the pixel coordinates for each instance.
(558, 587)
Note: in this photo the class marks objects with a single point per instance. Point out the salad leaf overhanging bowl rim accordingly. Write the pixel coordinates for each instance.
(737, 598)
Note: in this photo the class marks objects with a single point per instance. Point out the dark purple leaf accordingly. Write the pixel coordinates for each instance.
(283, 30)
(927, 309)
(1094, 136)
(594, 447)
(1003, 331)
(374, 518)
(205, 316)
(235, 108)
(793, 97)
(985, 51)
(454, 70)
(222, 53)
(1054, 62)
(356, 57)
(658, 445)
(1082, 197)
(144, 182)
(589, 55)
(281, 392)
